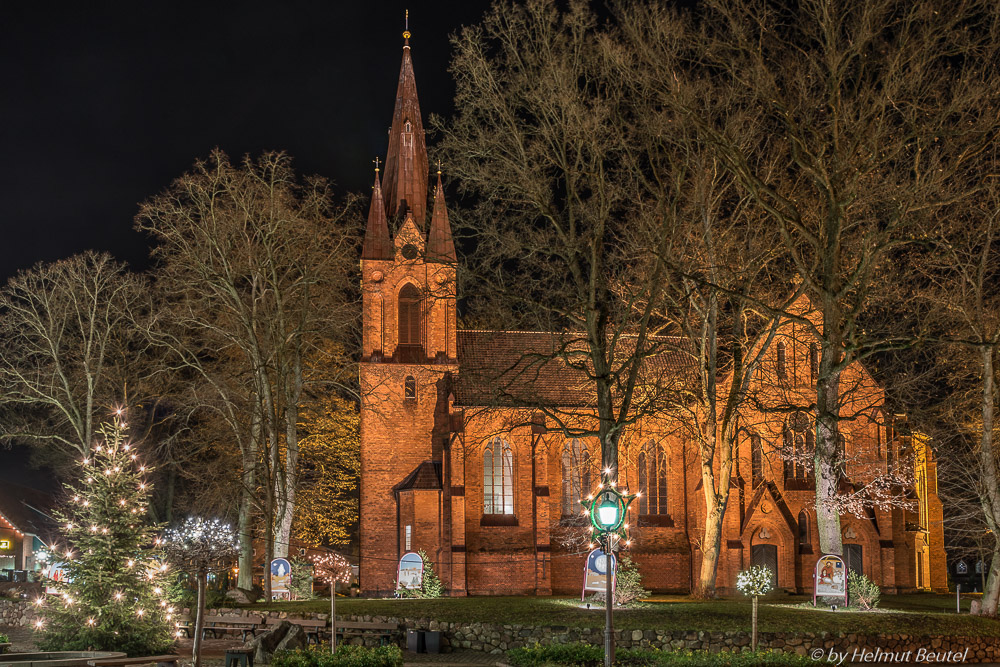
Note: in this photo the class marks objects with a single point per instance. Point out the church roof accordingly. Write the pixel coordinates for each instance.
(530, 368)
(427, 475)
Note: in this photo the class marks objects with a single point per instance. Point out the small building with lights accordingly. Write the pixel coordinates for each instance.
(457, 460)
(24, 528)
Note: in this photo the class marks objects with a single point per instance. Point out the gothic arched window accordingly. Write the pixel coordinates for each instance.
(409, 315)
(788, 452)
(756, 459)
(803, 530)
(813, 362)
(498, 478)
(652, 468)
(575, 475)
(410, 388)
(782, 373)
(799, 443)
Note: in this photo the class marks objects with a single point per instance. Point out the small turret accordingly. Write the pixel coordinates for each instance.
(440, 246)
(377, 244)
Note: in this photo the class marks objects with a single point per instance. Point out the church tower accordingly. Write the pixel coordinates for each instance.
(409, 351)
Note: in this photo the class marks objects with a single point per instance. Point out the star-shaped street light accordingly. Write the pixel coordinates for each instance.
(607, 510)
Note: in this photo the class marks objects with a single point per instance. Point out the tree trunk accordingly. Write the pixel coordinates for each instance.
(991, 589)
(826, 470)
(990, 484)
(244, 577)
(711, 544)
(753, 626)
(199, 619)
(286, 508)
(333, 616)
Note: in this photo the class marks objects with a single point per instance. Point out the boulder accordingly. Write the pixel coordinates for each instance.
(239, 596)
(975, 608)
(285, 636)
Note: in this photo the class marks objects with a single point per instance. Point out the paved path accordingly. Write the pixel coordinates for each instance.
(214, 651)
(459, 658)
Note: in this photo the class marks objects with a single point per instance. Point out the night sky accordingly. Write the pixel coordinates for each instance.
(103, 104)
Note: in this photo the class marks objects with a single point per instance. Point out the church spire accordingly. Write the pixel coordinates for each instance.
(377, 245)
(406, 164)
(440, 246)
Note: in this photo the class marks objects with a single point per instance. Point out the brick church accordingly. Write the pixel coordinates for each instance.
(491, 495)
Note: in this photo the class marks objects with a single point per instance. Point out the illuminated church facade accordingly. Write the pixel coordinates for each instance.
(492, 495)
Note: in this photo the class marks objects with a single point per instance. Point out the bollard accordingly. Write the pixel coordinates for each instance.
(958, 598)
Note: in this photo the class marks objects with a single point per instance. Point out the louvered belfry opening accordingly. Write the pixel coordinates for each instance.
(410, 348)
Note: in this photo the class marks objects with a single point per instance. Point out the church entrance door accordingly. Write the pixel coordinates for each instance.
(767, 555)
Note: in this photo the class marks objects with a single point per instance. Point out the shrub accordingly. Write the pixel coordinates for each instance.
(346, 656)
(302, 579)
(586, 655)
(628, 588)
(862, 591)
(4, 638)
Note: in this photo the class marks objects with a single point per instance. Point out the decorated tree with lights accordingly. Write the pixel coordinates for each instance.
(201, 546)
(332, 568)
(112, 595)
(754, 582)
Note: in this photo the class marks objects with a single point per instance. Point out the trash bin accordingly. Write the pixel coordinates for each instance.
(432, 641)
(415, 641)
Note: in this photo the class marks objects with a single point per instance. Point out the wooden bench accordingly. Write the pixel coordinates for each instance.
(222, 625)
(384, 631)
(160, 660)
(314, 628)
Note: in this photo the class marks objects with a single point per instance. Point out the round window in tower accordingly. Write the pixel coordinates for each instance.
(410, 251)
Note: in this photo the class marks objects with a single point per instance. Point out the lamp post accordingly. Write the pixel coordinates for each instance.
(607, 518)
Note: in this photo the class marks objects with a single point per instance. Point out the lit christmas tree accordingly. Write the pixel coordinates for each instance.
(112, 596)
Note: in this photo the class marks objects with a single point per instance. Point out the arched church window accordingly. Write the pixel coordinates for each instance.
(782, 373)
(410, 388)
(799, 442)
(788, 452)
(652, 469)
(576, 469)
(803, 530)
(409, 315)
(498, 478)
(756, 459)
(813, 362)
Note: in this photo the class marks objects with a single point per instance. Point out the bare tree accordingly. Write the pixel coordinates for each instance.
(255, 266)
(537, 146)
(877, 109)
(71, 348)
(959, 271)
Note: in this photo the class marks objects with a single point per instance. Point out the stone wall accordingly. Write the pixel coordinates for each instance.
(17, 613)
(500, 638)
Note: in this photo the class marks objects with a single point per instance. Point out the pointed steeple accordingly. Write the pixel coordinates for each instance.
(377, 245)
(406, 164)
(440, 246)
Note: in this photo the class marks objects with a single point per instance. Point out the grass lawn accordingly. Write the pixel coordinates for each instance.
(904, 614)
